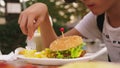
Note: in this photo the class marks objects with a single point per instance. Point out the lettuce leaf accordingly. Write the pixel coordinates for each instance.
(71, 53)
(76, 52)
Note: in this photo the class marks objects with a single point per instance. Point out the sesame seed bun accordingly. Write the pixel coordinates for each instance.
(65, 43)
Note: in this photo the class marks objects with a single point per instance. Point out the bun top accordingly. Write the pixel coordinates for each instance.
(65, 43)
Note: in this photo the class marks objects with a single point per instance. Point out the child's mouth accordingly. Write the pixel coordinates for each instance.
(91, 6)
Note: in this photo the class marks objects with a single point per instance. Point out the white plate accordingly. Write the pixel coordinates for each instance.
(54, 61)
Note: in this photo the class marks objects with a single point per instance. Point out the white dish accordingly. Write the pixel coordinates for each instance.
(54, 61)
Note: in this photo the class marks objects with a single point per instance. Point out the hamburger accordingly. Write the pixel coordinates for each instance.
(67, 47)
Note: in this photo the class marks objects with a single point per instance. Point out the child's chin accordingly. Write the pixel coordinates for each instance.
(97, 13)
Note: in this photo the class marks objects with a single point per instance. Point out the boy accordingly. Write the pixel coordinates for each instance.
(86, 28)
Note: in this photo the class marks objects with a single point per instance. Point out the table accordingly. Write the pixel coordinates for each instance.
(19, 64)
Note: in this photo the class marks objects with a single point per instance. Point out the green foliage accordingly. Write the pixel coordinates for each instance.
(1, 14)
(11, 37)
(56, 7)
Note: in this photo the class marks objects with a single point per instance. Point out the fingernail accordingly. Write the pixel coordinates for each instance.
(29, 38)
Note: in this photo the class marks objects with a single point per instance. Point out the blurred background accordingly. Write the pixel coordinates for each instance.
(63, 14)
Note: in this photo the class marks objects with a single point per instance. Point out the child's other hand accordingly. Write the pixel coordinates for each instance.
(31, 18)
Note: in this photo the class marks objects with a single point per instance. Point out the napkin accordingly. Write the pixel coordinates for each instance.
(30, 44)
(8, 57)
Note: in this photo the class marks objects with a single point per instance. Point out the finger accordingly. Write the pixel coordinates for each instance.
(19, 20)
(30, 26)
(37, 24)
(21, 15)
(23, 24)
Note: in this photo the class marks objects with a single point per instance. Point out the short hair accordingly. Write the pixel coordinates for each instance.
(69, 1)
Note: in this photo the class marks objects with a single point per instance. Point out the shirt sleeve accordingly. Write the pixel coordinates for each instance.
(88, 27)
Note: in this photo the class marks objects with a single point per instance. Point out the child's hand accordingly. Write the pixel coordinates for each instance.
(31, 18)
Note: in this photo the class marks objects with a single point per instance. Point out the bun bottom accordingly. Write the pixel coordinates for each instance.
(83, 53)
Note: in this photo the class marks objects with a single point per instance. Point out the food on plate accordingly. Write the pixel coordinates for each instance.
(64, 47)
(22, 52)
(34, 53)
(30, 53)
(91, 65)
(67, 47)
